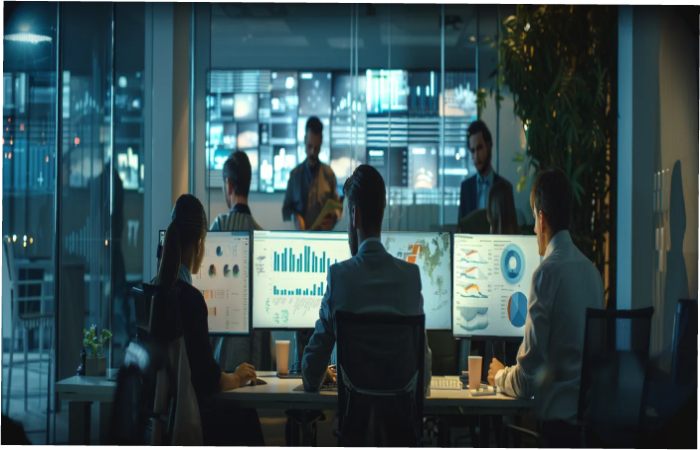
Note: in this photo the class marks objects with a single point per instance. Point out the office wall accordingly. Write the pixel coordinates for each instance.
(678, 158)
(658, 163)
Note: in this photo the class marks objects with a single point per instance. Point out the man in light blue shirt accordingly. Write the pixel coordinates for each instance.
(372, 281)
(565, 284)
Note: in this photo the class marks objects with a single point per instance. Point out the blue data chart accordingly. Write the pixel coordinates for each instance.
(307, 262)
(290, 275)
(512, 263)
(517, 309)
(492, 279)
(315, 290)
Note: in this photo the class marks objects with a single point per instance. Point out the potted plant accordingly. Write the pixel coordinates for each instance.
(93, 344)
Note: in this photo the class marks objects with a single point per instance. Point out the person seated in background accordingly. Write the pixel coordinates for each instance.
(500, 211)
(474, 191)
(312, 184)
(371, 281)
(183, 252)
(237, 174)
(231, 351)
(563, 286)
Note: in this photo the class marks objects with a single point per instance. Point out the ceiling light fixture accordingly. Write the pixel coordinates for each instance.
(29, 38)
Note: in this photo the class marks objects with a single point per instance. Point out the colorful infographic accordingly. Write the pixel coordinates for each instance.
(492, 275)
(223, 281)
(431, 253)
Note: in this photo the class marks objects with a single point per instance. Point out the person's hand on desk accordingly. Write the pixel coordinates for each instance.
(494, 367)
(242, 376)
(331, 375)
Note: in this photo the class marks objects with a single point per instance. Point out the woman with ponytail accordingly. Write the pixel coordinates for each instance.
(183, 251)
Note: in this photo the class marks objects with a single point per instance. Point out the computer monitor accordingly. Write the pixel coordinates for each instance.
(290, 274)
(432, 252)
(224, 281)
(491, 279)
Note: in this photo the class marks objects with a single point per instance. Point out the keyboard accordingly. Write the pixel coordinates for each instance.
(445, 383)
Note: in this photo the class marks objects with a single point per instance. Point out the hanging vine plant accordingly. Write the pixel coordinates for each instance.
(559, 63)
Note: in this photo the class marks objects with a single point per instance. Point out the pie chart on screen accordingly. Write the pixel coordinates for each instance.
(517, 309)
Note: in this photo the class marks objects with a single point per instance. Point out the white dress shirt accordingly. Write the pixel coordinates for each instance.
(549, 359)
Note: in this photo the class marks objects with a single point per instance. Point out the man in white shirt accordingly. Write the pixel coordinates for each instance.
(565, 284)
(371, 281)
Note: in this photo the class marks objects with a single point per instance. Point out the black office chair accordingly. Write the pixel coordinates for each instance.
(684, 347)
(613, 376)
(380, 371)
(174, 412)
(132, 410)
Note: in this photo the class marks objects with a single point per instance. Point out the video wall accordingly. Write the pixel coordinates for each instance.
(391, 119)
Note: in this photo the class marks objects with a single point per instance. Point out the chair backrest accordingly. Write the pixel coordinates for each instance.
(380, 378)
(684, 347)
(133, 398)
(613, 369)
(176, 418)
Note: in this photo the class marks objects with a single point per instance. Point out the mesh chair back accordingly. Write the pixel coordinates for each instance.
(380, 378)
(684, 347)
(613, 371)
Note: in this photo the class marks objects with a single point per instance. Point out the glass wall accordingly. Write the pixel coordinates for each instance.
(394, 85)
(73, 173)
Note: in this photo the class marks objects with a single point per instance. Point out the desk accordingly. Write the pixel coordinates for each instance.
(278, 393)
(80, 392)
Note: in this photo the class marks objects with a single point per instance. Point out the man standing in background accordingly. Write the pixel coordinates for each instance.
(474, 192)
(312, 199)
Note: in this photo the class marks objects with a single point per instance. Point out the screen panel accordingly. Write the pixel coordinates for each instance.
(224, 280)
(492, 278)
(432, 253)
(290, 274)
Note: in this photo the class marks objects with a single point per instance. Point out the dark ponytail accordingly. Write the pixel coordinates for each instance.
(187, 227)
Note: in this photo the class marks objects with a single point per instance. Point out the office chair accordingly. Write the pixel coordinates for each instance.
(684, 346)
(613, 376)
(132, 408)
(380, 372)
(175, 417)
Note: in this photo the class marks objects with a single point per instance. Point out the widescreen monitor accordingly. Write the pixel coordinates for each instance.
(491, 284)
(290, 275)
(432, 252)
(224, 281)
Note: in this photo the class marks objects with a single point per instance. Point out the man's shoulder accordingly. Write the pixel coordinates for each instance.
(470, 180)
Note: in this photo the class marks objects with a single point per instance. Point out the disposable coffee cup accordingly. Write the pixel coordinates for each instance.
(282, 354)
(474, 372)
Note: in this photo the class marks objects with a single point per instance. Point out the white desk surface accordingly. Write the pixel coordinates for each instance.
(81, 388)
(280, 393)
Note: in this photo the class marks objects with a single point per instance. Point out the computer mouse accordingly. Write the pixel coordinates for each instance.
(257, 382)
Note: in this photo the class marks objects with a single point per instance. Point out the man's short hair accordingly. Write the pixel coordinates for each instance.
(314, 125)
(476, 127)
(237, 170)
(365, 189)
(551, 194)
